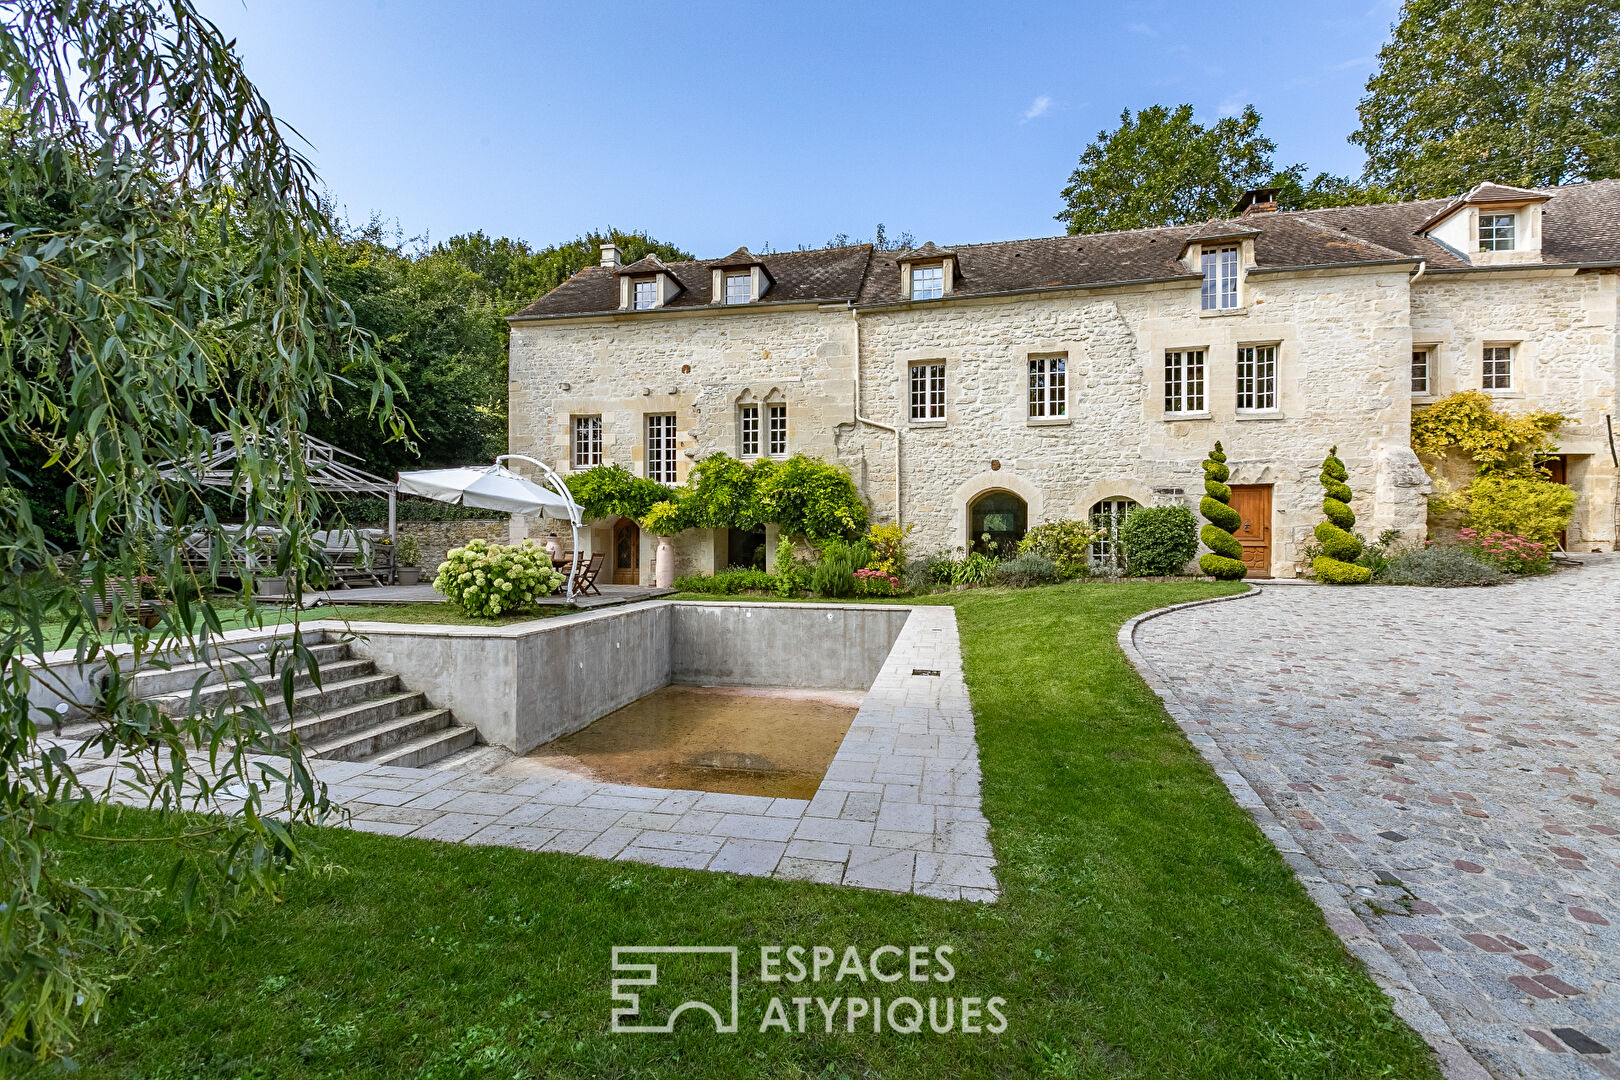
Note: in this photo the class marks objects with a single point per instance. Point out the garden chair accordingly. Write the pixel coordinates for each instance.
(585, 576)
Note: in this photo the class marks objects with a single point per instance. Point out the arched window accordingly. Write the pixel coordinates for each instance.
(996, 522)
(1109, 514)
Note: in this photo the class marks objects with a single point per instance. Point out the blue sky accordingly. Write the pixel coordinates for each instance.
(714, 125)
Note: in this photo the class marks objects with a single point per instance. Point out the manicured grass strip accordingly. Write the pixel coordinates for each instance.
(1147, 929)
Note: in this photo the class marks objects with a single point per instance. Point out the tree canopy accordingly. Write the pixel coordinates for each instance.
(1162, 167)
(1518, 92)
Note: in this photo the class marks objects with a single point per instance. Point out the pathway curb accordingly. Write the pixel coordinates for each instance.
(1386, 969)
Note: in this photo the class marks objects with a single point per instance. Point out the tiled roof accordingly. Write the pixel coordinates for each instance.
(1580, 224)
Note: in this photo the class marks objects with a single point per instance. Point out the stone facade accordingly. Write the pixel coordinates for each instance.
(1344, 338)
(437, 537)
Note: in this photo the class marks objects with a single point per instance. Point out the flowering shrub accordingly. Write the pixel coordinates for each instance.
(486, 580)
(1066, 542)
(888, 547)
(876, 583)
(1515, 554)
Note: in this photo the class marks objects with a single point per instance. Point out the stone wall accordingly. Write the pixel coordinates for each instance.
(437, 537)
(1344, 340)
(1562, 326)
(1342, 358)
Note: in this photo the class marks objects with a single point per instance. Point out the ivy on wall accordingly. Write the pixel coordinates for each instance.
(804, 496)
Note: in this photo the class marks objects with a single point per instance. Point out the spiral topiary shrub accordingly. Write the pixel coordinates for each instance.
(1225, 558)
(1340, 548)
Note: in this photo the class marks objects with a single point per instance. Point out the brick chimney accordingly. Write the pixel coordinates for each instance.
(610, 255)
(1257, 201)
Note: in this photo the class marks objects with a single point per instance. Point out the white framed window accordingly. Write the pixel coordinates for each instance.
(776, 430)
(646, 294)
(587, 441)
(1048, 387)
(1257, 378)
(928, 391)
(661, 447)
(1184, 381)
(1220, 289)
(1109, 514)
(1422, 372)
(1496, 232)
(748, 430)
(739, 288)
(927, 282)
(1497, 371)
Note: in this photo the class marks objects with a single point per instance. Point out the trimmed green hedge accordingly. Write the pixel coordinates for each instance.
(1225, 558)
(1340, 547)
(1158, 540)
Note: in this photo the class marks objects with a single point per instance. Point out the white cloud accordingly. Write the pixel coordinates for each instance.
(1355, 62)
(1141, 28)
(1039, 107)
(1232, 104)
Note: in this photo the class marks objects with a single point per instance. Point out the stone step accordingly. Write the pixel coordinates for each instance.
(338, 678)
(427, 749)
(327, 724)
(474, 759)
(234, 662)
(365, 744)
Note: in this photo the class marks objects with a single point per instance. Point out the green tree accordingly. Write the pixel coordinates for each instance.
(160, 282)
(1519, 92)
(435, 323)
(515, 275)
(1162, 167)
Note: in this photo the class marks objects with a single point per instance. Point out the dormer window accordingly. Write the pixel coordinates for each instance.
(739, 278)
(927, 282)
(1220, 288)
(739, 288)
(646, 295)
(1496, 232)
(647, 284)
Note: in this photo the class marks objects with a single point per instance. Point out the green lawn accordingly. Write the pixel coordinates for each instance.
(1146, 930)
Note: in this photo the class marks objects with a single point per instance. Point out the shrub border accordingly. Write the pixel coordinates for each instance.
(1386, 963)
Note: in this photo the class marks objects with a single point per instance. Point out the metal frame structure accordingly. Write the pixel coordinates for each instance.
(556, 484)
(326, 473)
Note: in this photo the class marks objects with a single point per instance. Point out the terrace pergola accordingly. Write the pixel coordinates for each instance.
(321, 462)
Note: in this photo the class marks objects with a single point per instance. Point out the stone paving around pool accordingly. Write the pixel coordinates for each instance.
(1442, 769)
(899, 808)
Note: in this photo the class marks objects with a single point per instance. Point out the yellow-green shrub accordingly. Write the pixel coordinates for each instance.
(1532, 507)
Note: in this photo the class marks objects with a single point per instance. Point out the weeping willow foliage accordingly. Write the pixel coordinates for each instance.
(159, 285)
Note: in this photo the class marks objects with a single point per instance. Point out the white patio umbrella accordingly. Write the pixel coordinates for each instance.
(495, 487)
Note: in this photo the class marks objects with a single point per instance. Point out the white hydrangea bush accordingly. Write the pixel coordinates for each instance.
(486, 580)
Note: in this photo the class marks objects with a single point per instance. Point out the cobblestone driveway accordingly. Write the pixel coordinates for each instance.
(1447, 762)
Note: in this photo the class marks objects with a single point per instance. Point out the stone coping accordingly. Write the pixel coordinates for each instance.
(899, 808)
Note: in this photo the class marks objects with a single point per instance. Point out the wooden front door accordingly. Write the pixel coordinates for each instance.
(626, 553)
(1253, 504)
(1557, 469)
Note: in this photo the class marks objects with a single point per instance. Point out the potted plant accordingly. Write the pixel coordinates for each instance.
(407, 561)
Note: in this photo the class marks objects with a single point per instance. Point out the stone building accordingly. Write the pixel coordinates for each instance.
(987, 387)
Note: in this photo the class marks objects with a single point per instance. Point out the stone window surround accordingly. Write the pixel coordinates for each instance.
(1516, 372)
(1005, 478)
(1067, 400)
(593, 441)
(758, 283)
(904, 361)
(948, 279)
(1275, 412)
(1220, 371)
(1432, 347)
(1195, 262)
(762, 396)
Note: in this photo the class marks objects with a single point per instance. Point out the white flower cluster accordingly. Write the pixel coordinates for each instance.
(485, 580)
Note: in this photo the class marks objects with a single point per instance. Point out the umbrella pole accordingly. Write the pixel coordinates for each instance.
(393, 556)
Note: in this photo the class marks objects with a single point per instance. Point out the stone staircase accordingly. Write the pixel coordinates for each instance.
(358, 713)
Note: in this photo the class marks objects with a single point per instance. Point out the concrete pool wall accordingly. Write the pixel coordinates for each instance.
(526, 684)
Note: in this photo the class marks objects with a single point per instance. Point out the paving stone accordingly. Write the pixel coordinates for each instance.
(452, 827)
(755, 857)
(880, 868)
(825, 873)
(1480, 727)
(749, 827)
